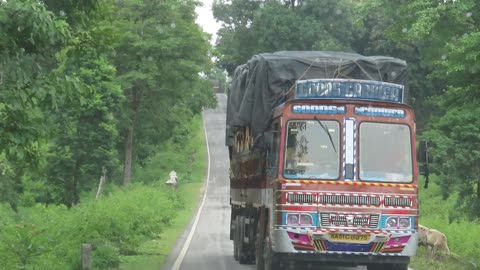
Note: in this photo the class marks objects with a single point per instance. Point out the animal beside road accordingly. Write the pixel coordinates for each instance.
(422, 235)
(433, 239)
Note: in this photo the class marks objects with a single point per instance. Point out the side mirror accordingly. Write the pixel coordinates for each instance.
(423, 157)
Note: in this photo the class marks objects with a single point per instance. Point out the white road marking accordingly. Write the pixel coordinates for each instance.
(186, 245)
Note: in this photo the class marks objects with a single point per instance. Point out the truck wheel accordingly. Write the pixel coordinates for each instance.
(259, 247)
(390, 266)
(242, 255)
(398, 266)
(269, 261)
(235, 237)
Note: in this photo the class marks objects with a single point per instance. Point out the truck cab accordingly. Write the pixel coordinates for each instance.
(343, 174)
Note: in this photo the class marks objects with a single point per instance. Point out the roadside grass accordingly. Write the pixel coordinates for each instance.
(49, 237)
(424, 261)
(463, 236)
(153, 253)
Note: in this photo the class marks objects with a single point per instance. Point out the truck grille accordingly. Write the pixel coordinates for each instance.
(301, 198)
(349, 200)
(371, 200)
(398, 201)
(349, 220)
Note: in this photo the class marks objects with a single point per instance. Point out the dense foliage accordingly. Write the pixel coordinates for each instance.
(439, 40)
(464, 246)
(87, 85)
(50, 237)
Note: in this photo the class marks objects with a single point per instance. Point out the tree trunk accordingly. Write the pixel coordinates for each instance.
(67, 196)
(127, 168)
(76, 185)
(71, 187)
(478, 188)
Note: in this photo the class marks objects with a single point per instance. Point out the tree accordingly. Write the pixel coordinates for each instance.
(378, 22)
(455, 141)
(78, 79)
(86, 132)
(235, 41)
(29, 37)
(159, 57)
(251, 27)
(447, 35)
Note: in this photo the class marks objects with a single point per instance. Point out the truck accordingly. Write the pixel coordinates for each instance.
(323, 167)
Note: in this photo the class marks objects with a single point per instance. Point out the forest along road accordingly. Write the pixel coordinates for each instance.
(205, 244)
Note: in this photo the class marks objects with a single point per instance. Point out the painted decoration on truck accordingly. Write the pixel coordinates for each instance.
(349, 89)
(382, 112)
(318, 109)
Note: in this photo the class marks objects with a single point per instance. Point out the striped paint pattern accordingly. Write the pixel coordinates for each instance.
(368, 184)
(308, 198)
(327, 230)
(350, 253)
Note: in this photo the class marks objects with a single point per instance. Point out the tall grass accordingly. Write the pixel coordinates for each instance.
(190, 164)
(463, 236)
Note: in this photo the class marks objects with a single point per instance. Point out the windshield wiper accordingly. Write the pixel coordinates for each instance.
(328, 132)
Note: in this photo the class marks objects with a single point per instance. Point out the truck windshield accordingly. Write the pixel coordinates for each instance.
(385, 152)
(312, 149)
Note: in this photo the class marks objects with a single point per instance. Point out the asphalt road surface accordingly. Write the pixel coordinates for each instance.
(205, 244)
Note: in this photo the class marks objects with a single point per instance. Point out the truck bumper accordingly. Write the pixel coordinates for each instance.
(367, 246)
(306, 261)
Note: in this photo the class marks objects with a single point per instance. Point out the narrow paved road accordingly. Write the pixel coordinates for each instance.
(210, 247)
(205, 245)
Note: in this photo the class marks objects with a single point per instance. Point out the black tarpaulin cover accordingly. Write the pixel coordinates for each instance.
(260, 85)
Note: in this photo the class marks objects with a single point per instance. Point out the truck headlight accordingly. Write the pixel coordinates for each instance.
(398, 222)
(292, 219)
(404, 223)
(306, 219)
(299, 219)
(392, 222)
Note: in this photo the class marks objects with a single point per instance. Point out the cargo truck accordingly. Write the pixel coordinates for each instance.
(323, 166)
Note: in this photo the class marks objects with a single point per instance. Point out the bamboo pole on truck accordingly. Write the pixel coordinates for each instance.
(247, 138)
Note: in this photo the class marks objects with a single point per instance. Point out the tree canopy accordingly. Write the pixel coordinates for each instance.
(89, 84)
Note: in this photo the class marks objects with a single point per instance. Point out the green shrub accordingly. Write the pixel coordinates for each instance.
(441, 214)
(179, 157)
(115, 225)
(105, 257)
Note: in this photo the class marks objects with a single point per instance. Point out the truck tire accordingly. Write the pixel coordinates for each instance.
(259, 246)
(236, 238)
(242, 255)
(398, 266)
(390, 266)
(269, 260)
